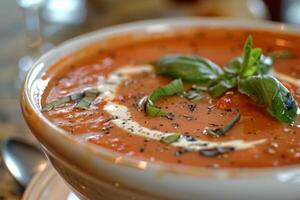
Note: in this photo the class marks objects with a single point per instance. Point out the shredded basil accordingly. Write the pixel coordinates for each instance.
(88, 97)
(83, 100)
(55, 103)
(154, 111)
(217, 132)
(170, 138)
(175, 87)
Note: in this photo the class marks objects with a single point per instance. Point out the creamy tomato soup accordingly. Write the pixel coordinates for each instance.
(121, 77)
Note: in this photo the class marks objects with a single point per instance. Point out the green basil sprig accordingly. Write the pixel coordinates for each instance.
(175, 87)
(251, 59)
(250, 73)
(252, 62)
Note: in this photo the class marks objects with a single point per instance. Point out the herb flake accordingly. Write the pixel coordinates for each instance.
(83, 99)
(217, 132)
(170, 138)
(88, 97)
(55, 103)
(170, 89)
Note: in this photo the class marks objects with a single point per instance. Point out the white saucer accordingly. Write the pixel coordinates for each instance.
(47, 185)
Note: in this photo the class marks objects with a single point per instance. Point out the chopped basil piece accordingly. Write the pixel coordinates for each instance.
(88, 97)
(76, 96)
(217, 132)
(154, 111)
(172, 88)
(170, 138)
(175, 87)
(83, 100)
(55, 103)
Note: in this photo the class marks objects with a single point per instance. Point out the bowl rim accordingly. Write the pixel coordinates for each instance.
(155, 25)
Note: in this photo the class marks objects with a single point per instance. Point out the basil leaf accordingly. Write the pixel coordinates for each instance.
(88, 97)
(252, 62)
(251, 59)
(264, 66)
(252, 66)
(172, 88)
(217, 132)
(154, 111)
(267, 91)
(221, 86)
(233, 67)
(56, 103)
(170, 138)
(189, 68)
(246, 55)
(76, 96)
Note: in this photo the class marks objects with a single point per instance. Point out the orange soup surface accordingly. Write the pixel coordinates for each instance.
(281, 141)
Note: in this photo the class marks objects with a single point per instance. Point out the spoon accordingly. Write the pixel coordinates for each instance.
(23, 160)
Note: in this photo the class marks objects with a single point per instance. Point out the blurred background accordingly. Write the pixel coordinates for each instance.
(29, 28)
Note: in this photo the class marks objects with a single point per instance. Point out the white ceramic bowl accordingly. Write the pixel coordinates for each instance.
(97, 173)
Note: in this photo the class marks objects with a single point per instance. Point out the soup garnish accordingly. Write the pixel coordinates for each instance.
(220, 131)
(250, 73)
(175, 87)
(82, 100)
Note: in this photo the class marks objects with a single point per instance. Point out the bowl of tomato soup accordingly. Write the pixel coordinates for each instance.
(187, 108)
